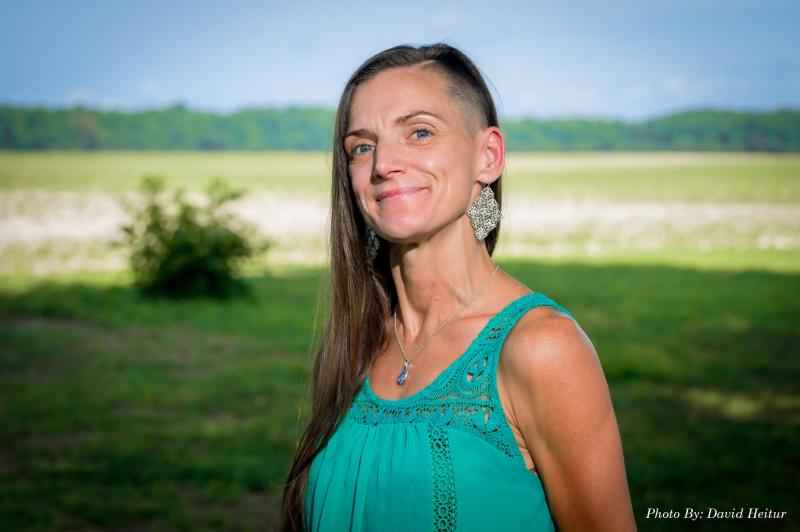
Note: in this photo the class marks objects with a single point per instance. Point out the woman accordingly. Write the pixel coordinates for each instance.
(447, 395)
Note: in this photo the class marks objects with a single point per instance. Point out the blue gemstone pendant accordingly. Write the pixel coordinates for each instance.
(403, 377)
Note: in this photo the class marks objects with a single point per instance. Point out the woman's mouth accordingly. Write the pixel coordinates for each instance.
(397, 192)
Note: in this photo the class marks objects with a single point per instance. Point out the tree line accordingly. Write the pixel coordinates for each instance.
(309, 128)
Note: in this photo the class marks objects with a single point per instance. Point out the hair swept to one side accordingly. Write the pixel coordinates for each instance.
(361, 293)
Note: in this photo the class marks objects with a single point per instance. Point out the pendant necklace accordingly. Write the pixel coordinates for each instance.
(403, 376)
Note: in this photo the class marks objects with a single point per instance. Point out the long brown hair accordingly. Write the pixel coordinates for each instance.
(362, 293)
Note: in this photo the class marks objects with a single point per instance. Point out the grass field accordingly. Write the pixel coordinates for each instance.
(119, 413)
(717, 177)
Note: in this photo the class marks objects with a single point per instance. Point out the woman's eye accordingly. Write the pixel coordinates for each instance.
(356, 151)
(424, 130)
(361, 149)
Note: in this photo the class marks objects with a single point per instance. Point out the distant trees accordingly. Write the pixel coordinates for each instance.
(309, 128)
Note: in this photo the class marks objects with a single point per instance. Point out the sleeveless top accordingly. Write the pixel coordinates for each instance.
(443, 459)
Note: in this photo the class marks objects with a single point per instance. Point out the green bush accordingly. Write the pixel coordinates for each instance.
(181, 250)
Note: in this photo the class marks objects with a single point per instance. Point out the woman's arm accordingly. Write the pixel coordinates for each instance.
(561, 404)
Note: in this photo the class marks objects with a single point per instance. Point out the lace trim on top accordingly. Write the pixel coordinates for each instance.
(445, 505)
(463, 396)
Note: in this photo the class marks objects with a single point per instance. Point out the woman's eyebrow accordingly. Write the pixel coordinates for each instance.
(399, 120)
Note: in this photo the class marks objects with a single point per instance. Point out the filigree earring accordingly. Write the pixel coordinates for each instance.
(372, 243)
(484, 213)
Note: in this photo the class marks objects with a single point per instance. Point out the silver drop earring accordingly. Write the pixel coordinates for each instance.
(372, 243)
(484, 213)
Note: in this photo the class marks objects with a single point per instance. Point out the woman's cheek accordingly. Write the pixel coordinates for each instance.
(428, 161)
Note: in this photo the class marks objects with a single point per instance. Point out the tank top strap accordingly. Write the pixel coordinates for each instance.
(512, 314)
(509, 318)
(481, 366)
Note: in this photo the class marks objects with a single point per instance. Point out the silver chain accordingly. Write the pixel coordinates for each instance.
(406, 362)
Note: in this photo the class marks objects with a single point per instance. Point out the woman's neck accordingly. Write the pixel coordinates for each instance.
(437, 277)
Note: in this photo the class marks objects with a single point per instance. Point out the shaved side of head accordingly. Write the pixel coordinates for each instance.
(465, 96)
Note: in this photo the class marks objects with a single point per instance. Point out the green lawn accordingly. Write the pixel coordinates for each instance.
(119, 413)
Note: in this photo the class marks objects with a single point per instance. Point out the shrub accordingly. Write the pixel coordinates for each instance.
(180, 250)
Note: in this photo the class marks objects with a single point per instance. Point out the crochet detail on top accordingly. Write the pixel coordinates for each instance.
(444, 487)
(463, 396)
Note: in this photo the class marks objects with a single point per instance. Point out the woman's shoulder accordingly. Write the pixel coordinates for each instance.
(551, 372)
(544, 342)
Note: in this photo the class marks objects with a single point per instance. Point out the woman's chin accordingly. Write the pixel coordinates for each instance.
(403, 233)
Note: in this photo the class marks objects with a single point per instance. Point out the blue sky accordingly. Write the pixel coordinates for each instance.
(626, 60)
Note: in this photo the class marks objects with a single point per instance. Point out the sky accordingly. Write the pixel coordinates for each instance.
(616, 59)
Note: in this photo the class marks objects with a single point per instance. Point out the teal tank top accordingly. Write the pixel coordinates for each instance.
(443, 459)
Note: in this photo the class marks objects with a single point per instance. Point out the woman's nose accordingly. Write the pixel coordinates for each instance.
(388, 160)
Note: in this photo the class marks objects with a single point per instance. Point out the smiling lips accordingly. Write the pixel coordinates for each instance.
(397, 192)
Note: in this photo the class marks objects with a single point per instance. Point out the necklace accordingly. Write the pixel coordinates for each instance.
(403, 376)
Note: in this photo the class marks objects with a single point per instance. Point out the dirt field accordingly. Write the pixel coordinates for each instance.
(67, 230)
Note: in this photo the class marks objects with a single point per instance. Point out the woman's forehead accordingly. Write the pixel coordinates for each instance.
(397, 92)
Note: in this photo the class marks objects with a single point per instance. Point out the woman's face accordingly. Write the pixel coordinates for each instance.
(408, 137)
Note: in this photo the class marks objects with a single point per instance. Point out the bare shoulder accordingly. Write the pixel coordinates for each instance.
(549, 367)
(544, 341)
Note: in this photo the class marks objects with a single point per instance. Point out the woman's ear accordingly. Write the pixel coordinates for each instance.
(491, 155)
